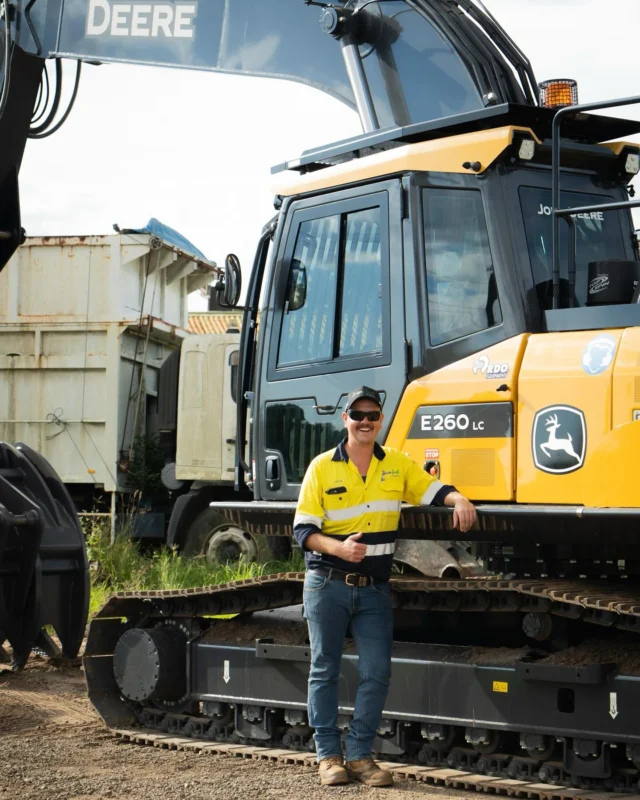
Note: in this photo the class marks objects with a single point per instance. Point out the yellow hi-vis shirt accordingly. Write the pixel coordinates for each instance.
(334, 500)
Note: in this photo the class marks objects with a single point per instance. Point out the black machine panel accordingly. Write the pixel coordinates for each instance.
(463, 421)
(541, 699)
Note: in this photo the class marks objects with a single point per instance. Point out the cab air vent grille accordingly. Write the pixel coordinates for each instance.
(473, 467)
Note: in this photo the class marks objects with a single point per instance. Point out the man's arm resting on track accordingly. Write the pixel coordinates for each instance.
(422, 489)
(464, 512)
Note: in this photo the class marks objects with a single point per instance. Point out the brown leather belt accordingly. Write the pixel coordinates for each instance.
(350, 578)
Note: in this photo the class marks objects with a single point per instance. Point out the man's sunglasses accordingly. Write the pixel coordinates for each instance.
(359, 416)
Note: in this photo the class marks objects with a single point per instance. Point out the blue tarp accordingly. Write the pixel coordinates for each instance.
(168, 235)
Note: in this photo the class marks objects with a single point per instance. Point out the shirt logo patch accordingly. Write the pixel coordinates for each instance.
(391, 473)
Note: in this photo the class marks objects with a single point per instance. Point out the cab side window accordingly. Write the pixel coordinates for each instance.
(461, 284)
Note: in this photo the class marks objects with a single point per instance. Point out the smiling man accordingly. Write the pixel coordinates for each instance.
(346, 523)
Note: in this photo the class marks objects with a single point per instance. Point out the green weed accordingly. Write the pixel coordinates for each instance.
(124, 566)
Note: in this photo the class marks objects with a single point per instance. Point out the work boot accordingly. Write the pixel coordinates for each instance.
(332, 772)
(368, 772)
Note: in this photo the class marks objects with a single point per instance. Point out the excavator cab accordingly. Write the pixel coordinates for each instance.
(428, 266)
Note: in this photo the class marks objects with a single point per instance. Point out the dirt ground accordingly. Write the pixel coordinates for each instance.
(53, 747)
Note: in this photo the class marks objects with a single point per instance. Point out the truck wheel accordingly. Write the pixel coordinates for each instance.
(211, 535)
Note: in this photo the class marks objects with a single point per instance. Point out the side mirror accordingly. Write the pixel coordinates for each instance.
(229, 286)
(296, 288)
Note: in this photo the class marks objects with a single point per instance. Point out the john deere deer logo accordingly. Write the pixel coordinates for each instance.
(559, 439)
(555, 443)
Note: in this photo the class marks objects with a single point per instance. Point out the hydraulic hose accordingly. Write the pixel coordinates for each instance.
(38, 133)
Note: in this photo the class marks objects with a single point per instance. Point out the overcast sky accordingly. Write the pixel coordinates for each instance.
(195, 149)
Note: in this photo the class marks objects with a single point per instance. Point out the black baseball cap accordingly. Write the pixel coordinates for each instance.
(363, 393)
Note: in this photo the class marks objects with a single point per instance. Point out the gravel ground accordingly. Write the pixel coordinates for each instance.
(53, 747)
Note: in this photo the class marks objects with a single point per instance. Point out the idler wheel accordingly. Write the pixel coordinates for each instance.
(150, 664)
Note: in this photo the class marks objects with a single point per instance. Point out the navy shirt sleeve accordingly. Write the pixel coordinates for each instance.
(302, 532)
(438, 500)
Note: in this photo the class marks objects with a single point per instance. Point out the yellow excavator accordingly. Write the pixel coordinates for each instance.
(472, 256)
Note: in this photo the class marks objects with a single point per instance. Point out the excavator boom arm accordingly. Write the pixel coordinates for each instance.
(443, 56)
(401, 62)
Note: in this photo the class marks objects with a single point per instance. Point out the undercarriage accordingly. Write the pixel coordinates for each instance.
(534, 681)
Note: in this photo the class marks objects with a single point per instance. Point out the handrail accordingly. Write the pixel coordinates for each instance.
(559, 213)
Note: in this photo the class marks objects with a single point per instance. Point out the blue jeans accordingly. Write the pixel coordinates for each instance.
(329, 607)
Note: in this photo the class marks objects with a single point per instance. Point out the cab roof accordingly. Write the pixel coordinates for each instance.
(583, 128)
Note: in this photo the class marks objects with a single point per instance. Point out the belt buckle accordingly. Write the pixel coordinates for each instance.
(359, 580)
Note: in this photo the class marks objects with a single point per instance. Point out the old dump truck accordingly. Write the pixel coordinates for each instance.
(472, 255)
(86, 372)
(80, 367)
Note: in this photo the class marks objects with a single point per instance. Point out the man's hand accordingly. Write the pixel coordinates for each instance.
(352, 549)
(464, 514)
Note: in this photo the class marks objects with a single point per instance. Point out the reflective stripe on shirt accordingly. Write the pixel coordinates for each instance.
(381, 549)
(432, 491)
(307, 519)
(375, 506)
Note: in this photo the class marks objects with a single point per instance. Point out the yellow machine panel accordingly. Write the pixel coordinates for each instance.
(626, 380)
(565, 404)
(462, 418)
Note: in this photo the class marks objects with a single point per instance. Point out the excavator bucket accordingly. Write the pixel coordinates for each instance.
(44, 572)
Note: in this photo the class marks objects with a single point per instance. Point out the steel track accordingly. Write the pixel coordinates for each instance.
(614, 605)
(434, 776)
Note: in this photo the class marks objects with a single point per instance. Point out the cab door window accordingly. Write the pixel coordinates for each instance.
(461, 283)
(360, 316)
(335, 306)
(307, 330)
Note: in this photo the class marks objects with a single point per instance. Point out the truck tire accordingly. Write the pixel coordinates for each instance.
(211, 535)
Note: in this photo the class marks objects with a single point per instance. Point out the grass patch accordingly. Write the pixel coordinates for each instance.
(125, 566)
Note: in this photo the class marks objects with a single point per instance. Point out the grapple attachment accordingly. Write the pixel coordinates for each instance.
(44, 573)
